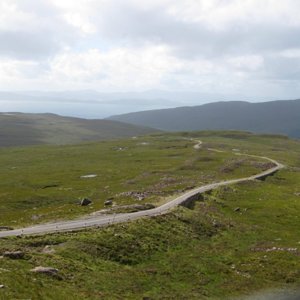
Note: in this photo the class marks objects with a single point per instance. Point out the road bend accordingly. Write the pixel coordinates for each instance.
(105, 220)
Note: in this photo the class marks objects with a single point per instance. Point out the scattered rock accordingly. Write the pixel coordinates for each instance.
(108, 202)
(120, 148)
(137, 195)
(45, 270)
(297, 194)
(231, 165)
(276, 249)
(89, 176)
(130, 181)
(243, 274)
(3, 228)
(85, 202)
(124, 208)
(50, 186)
(48, 250)
(237, 209)
(35, 217)
(14, 254)
(167, 179)
(263, 165)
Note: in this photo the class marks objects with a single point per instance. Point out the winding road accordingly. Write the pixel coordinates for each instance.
(99, 221)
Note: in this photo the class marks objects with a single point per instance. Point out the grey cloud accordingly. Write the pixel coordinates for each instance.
(127, 22)
(26, 45)
(280, 68)
(193, 40)
(41, 8)
(122, 24)
(45, 36)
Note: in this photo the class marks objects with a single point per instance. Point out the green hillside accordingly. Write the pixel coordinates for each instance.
(18, 129)
(235, 241)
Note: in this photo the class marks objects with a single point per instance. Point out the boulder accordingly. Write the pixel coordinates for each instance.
(45, 270)
(108, 202)
(2, 286)
(14, 254)
(85, 202)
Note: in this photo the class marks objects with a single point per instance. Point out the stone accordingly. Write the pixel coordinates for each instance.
(89, 176)
(48, 250)
(14, 254)
(35, 217)
(45, 270)
(108, 202)
(85, 202)
(2, 286)
(237, 209)
(4, 228)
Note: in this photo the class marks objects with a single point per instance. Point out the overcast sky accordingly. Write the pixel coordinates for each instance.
(247, 47)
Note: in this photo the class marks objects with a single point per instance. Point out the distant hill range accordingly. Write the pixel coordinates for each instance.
(18, 129)
(280, 117)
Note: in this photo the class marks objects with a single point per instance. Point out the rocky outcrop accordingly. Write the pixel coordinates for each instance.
(124, 209)
(85, 202)
(137, 195)
(48, 250)
(108, 202)
(4, 228)
(45, 270)
(14, 254)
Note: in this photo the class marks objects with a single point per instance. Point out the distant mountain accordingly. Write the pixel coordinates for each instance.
(281, 117)
(18, 129)
(93, 104)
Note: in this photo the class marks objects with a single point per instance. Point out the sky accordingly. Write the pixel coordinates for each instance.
(225, 47)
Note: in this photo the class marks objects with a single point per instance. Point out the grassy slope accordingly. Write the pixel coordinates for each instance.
(210, 251)
(31, 129)
(43, 183)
